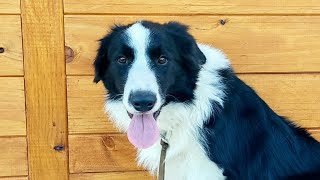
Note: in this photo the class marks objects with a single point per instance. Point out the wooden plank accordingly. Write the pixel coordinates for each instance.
(293, 95)
(296, 96)
(45, 84)
(14, 178)
(10, 35)
(13, 156)
(253, 43)
(10, 7)
(141, 175)
(193, 7)
(85, 106)
(101, 153)
(315, 133)
(12, 106)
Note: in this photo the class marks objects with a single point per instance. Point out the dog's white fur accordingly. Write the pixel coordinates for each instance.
(180, 123)
(140, 75)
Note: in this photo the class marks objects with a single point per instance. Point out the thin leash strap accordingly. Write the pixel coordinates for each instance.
(162, 158)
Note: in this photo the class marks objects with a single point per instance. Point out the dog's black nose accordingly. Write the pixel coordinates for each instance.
(142, 101)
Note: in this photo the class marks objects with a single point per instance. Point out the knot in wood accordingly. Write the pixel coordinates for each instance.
(69, 54)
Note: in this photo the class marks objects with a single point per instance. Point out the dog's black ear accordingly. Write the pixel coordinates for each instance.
(185, 42)
(101, 62)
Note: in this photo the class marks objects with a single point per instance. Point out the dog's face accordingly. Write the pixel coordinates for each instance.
(148, 65)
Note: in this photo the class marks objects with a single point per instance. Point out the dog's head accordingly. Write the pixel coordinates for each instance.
(147, 65)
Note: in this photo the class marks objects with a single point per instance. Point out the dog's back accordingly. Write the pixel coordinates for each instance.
(251, 141)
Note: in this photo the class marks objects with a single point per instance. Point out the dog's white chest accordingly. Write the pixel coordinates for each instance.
(181, 164)
(189, 167)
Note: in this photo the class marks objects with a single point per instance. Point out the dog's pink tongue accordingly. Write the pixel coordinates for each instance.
(143, 131)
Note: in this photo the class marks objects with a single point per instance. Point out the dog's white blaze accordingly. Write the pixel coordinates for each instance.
(186, 159)
(140, 75)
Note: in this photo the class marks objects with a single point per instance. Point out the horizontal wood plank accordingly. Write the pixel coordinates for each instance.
(12, 106)
(293, 95)
(11, 41)
(85, 106)
(193, 7)
(253, 43)
(101, 153)
(13, 156)
(140, 175)
(14, 178)
(10, 7)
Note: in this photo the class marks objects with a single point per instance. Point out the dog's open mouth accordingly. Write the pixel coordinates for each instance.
(155, 115)
(143, 131)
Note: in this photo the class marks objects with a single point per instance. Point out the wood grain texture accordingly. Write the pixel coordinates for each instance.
(12, 106)
(14, 178)
(296, 96)
(10, 39)
(101, 153)
(85, 106)
(253, 43)
(140, 175)
(10, 7)
(193, 7)
(13, 156)
(45, 85)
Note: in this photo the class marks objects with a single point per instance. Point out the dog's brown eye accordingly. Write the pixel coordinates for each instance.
(122, 60)
(162, 60)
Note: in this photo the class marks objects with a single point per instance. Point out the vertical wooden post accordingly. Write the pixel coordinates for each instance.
(45, 86)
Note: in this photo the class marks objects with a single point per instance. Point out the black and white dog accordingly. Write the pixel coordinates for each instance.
(161, 83)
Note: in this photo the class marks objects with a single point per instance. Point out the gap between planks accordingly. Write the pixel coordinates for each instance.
(186, 14)
(240, 73)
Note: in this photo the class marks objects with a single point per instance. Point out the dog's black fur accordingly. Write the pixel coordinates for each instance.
(250, 141)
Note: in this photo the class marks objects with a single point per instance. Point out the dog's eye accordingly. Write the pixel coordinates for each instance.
(122, 60)
(162, 60)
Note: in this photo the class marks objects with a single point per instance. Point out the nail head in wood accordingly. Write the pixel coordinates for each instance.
(58, 148)
(1, 50)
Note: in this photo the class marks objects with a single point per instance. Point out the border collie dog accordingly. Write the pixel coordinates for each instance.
(162, 84)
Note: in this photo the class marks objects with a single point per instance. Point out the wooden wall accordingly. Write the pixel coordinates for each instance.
(13, 141)
(52, 124)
